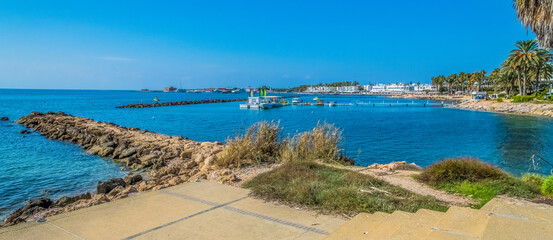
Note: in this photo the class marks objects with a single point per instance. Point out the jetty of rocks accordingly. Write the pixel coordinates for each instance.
(166, 104)
(164, 160)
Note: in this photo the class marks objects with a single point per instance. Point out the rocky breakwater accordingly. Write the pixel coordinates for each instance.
(166, 104)
(166, 160)
(535, 109)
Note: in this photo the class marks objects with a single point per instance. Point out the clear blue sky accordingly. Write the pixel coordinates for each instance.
(153, 44)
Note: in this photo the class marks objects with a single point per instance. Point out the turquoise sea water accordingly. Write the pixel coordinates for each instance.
(32, 166)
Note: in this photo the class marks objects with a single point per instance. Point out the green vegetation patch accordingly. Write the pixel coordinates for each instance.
(332, 190)
(547, 186)
(478, 180)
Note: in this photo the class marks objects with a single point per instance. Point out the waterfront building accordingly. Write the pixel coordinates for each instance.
(379, 89)
(170, 89)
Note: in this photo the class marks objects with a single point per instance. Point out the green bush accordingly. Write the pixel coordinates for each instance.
(521, 99)
(459, 170)
(547, 186)
(501, 95)
(533, 178)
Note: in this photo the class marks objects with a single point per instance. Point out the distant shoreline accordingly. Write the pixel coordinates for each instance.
(507, 107)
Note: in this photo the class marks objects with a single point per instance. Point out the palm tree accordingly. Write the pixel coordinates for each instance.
(451, 79)
(537, 15)
(523, 58)
(543, 57)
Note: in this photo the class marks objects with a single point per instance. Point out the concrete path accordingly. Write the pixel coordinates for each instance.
(198, 210)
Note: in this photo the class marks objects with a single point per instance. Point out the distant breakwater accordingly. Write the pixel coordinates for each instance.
(167, 104)
(167, 161)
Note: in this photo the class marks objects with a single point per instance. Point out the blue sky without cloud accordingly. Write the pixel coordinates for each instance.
(153, 44)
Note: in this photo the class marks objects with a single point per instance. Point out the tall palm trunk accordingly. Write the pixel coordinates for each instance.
(537, 81)
(519, 83)
(524, 81)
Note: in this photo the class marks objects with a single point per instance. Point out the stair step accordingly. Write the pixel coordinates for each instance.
(359, 226)
(521, 209)
(388, 227)
(499, 227)
(438, 235)
(418, 226)
(459, 221)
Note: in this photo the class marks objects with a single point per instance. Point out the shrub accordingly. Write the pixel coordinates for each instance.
(459, 170)
(501, 95)
(260, 144)
(322, 143)
(521, 99)
(533, 178)
(547, 186)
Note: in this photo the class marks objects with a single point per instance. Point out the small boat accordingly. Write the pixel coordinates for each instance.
(332, 104)
(320, 102)
(266, 102)
(307, 104)
(296, 101)
(316, 99)
(284, 102)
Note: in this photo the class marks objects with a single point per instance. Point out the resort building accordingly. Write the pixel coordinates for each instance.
(379, 88)
(322, 89)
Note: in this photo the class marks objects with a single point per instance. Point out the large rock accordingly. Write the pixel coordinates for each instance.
(133, 160)
(31, 208)
(132, 179)
(64, 201)
(4, 119)
(107, 186)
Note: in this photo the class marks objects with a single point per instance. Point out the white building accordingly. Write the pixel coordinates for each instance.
(379, 88)
(349, 89)
(425, 87)
(321, 89)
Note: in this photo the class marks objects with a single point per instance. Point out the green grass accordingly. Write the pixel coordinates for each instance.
(333, 190)
(478, 180)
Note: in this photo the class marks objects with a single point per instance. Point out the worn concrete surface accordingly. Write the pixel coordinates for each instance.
(196, 210)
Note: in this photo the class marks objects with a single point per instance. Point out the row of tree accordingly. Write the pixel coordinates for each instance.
(520, 73)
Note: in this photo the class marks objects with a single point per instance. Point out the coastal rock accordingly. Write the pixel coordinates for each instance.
(132, 179)
(4, 119)
(402, 165)
(133, 160)
(64, 201)
(24, 131)
(31, 208)
(109, 185)
(506, 106)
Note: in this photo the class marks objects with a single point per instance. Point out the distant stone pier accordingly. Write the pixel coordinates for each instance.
(167, 104)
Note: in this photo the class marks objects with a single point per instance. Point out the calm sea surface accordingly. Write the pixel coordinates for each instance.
(32, 166)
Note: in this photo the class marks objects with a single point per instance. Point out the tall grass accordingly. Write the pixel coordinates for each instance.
(320, 144)
(262, 143)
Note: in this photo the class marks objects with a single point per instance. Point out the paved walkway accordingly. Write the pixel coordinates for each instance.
(198, 210)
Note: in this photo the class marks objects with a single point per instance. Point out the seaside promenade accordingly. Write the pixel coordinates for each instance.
(194, 210)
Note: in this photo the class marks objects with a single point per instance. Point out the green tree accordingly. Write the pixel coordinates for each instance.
(537, 15)
(523, 58)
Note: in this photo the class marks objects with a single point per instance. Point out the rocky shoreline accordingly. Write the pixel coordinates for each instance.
(165, 160)
(166, 104)
(532, 109)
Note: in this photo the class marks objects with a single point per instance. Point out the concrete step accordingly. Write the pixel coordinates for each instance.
(418, 226)
(390, 225)
(460, 222)
(359, 226)
(500, 227)
(519, 209)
